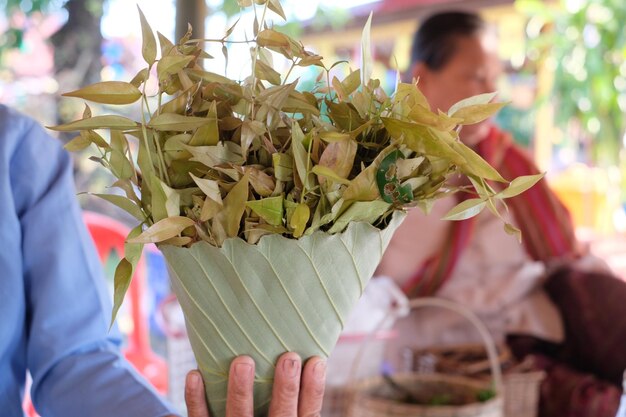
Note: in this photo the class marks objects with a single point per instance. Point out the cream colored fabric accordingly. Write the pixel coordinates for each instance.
(494, 278)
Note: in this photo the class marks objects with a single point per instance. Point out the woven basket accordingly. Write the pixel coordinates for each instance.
(370, 398)
(374, 398)
(521, 383)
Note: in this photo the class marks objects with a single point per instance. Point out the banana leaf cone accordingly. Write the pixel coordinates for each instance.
(266, 299)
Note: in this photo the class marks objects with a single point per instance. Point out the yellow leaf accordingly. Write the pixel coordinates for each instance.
(299, 219)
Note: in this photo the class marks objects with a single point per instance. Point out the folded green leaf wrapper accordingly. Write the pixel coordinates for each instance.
(274, 206)
(266, 299)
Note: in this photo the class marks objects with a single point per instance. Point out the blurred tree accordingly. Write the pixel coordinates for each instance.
(77, 45)
(191, 12)
(587, 44)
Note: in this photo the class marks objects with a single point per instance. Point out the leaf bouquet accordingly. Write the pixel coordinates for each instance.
(273, 206)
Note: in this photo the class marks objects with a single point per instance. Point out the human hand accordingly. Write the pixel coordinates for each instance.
(297, 392)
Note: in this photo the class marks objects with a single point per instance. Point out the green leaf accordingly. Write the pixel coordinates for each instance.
(95, 138)
(163, 230)
(301, 156)
(77, 144)
(283, 166)
(97, 122)
(351, 82)
(208, 134)
(108, 92)
(226, 222)
(125, 269)
(345, 115)
(171, 64)
(360, 211)
(519, 185)
(120, 165)
(141, 77)
(367, 61)
(411, 94)
(422, 140)
(133, 251)
(148, 46)
(465, 209)
(125, 204)
(176, 122)
(121, 282)
(389, 186)
(269, 209)
(165, 200)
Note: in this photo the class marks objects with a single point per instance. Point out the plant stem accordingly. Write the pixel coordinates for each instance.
(293, 64)
(143, 125)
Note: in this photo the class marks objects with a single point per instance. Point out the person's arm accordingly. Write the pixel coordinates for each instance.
(297, 392)
(75, 362)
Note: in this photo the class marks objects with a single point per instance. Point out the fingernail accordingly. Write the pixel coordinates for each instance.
(193, 380)
(319, 371)
(242, 372)
(290, 367)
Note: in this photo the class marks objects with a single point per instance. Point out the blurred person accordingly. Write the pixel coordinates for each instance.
(55, 307)
(546, 297)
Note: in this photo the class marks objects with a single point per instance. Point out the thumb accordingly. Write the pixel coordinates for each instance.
(194, 395)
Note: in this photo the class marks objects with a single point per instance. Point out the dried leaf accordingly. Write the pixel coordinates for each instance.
(210, 188)
(148, 46)
(176, 122)
(97, 122)
(283, 167)
(339, 157)
(465, 209)
(367, 61)
(163, 230)
(108, 92)
(229, 218)
(519, 185)
(77, 144)
(208, 134)
(125, 204)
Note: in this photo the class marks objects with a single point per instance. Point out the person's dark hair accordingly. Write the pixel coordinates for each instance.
(434, 40)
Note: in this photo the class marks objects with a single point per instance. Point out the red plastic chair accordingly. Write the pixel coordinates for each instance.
(109, 235)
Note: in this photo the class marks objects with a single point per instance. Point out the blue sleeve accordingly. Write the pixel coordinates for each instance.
(75, 362)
